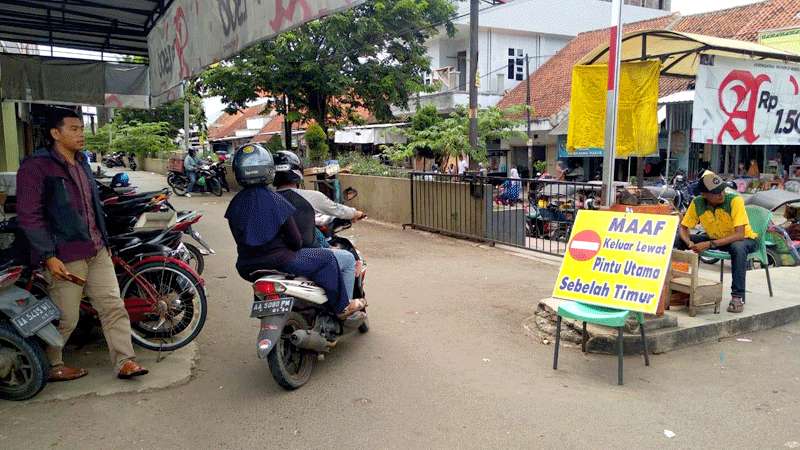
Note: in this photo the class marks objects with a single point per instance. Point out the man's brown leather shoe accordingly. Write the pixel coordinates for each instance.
(64, 373)
(131, 369)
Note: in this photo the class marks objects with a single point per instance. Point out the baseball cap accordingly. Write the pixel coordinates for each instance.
(711, 182)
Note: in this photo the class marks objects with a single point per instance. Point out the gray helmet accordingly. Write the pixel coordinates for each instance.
(288, 168)
(253, 166)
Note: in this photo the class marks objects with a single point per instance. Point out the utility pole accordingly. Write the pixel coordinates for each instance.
(287, 126)
(528, 114)
(186, 115)
(473, 73)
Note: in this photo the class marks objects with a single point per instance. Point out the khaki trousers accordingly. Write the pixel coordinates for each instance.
(103, 292)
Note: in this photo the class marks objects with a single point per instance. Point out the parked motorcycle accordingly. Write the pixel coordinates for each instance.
(25, 324)
(116, 159)
(164, 297)
(132, 161)
(221, 173)
(296, 326)
(207, 181)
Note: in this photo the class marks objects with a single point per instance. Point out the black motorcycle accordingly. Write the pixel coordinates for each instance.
(207, 181)
(116, 159)
(132, 161)
(219, 170)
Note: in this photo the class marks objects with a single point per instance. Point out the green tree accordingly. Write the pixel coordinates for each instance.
(143, 139)
(317, 142)
(170, 113)
(371, 56)
(432, 136)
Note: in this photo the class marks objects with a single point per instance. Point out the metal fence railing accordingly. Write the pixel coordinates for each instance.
(527, 213)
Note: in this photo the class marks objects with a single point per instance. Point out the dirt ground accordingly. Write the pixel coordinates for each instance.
(445, 365)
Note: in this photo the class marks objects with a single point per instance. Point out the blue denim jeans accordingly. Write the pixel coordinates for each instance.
(347, 265)
(192, 180)
(738, 251)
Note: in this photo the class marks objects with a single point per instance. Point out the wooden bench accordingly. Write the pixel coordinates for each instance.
(701, 291)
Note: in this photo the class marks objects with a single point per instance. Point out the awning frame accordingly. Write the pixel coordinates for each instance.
(704, 44)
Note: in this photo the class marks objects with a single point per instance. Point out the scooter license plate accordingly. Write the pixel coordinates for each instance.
(263, 308)
(35, 317)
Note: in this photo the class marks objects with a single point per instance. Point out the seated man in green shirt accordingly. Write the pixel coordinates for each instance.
(727, 228)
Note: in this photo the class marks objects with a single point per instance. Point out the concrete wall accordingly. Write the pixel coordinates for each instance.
(382, 198)
(156, 165)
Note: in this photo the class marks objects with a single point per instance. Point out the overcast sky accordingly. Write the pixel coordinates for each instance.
(698, 6)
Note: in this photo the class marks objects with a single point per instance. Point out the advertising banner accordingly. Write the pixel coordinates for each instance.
(194, 34)
(617, 260)
(637, 128)
(746, 102)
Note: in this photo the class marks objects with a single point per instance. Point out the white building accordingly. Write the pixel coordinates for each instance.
(538, 28)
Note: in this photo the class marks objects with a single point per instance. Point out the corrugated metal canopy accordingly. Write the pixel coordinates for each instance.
(680, 52)
(116, 26)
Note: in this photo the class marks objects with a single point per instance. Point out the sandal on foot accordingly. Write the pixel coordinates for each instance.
(736, 305)
(355, 305)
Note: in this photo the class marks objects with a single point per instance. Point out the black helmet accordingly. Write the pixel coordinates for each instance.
(288, 168)
(253, 165)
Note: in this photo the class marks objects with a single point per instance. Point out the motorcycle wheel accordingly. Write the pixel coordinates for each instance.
(180, 312)
(28, 365)
(196, 259)
(179, 185)
(215, 187)
(291, 366)
(171, 179)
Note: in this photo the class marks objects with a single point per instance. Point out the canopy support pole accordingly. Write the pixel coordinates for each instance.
(612, 101)
(669, 145)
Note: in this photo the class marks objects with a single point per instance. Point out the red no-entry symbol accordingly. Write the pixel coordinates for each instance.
(584, 245)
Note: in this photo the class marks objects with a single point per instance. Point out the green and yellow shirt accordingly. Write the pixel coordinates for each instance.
(720, 221)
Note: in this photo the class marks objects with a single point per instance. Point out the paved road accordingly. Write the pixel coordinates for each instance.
(445, 365)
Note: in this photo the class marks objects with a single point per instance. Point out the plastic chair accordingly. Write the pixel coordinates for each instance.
(760, 219)
(614, 318)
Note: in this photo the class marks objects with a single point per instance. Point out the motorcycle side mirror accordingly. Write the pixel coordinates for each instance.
(350, 194)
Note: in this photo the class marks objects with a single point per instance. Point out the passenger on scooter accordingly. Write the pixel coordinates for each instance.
(267, 236)
(288, 176)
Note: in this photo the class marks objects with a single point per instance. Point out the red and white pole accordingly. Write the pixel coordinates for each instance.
(612, 102)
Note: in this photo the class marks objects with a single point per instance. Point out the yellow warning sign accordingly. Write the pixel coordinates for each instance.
(618, 260)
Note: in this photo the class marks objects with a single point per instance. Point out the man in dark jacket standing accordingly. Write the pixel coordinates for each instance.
(59, 209)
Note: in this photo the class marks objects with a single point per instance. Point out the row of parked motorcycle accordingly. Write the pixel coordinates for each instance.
(159, 276)
(117, 159)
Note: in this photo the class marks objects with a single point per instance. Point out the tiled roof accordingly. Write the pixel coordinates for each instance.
(550, 85)
(274, 126)
(227, 124)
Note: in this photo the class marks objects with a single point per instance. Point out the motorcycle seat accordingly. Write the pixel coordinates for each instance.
(267, 272)
(123, 242)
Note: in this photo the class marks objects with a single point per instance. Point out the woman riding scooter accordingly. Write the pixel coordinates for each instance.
(267, 236)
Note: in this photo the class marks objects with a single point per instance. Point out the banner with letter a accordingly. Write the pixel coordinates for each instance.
(746, 102)
(617, 260)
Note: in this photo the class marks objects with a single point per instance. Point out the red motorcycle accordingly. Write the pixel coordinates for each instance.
(165, 298)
